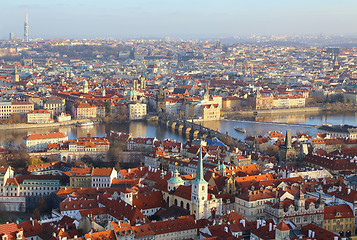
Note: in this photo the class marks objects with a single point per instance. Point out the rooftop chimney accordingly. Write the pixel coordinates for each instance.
(242, 221)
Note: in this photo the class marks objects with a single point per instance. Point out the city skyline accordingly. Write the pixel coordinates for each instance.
(157, 18)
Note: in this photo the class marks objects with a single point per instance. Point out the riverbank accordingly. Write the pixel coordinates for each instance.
(262, 112)
(296, 111)
(42, 125)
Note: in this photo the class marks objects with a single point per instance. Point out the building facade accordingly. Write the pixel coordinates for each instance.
(55, 106)
(137, 111)
(39, 116)
(40, 141)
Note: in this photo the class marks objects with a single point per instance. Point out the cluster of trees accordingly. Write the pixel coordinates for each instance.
(41, 209)
(120, 115)
(273, 151)
(328, 99)
(82, 51)
(18, 158)
(14, 118)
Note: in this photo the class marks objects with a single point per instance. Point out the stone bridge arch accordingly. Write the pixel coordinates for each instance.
(173, 125)
(179, 128)
(186, 132)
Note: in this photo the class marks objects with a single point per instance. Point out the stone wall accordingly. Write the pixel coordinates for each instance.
(42, 125)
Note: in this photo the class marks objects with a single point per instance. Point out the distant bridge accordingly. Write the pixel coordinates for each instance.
(191, 130)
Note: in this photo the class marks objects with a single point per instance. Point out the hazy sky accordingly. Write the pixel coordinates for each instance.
(174, 18)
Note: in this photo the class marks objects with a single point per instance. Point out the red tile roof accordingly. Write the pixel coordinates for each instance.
(148, 200)
(282, 226)
(46, 135)
(102, 172)
(105, 235)
(340, 211)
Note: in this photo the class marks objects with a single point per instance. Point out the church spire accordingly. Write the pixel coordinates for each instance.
(199, 173)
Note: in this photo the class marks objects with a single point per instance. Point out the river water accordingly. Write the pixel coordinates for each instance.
(254, 126)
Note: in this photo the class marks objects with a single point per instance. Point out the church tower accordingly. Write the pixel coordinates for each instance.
(143, 82)
(161, 101)
(199, 191)
(85, 86)
(221, 169)
(287, 153)
(135, 84)
(16, 77)
(206, 96)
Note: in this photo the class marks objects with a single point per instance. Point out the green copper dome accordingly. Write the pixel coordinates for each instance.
(176, 179)
(131, 93)
(221, 167)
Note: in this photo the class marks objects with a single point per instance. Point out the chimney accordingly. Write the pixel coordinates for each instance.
(313, 234)
(270, 227)
(258, 223)
(339, 188)
(242, 221)
(348, 191)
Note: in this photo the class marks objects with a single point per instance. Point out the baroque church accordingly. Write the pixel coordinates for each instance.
(192, 196)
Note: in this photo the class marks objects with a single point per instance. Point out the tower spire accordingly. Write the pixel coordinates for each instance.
(199, 173)
(26, 28)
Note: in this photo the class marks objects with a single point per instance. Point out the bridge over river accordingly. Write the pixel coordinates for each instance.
(191, 130)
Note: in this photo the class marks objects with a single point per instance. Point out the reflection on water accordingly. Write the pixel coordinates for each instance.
(256, 128)
(138, 129)
(309, 119)
(260, 125)
(297, 123)
(282, 118)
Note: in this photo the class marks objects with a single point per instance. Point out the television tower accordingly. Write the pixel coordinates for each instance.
(26, 28)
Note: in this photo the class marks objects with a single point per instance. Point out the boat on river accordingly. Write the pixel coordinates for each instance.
(85, 124)
(240, 129)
